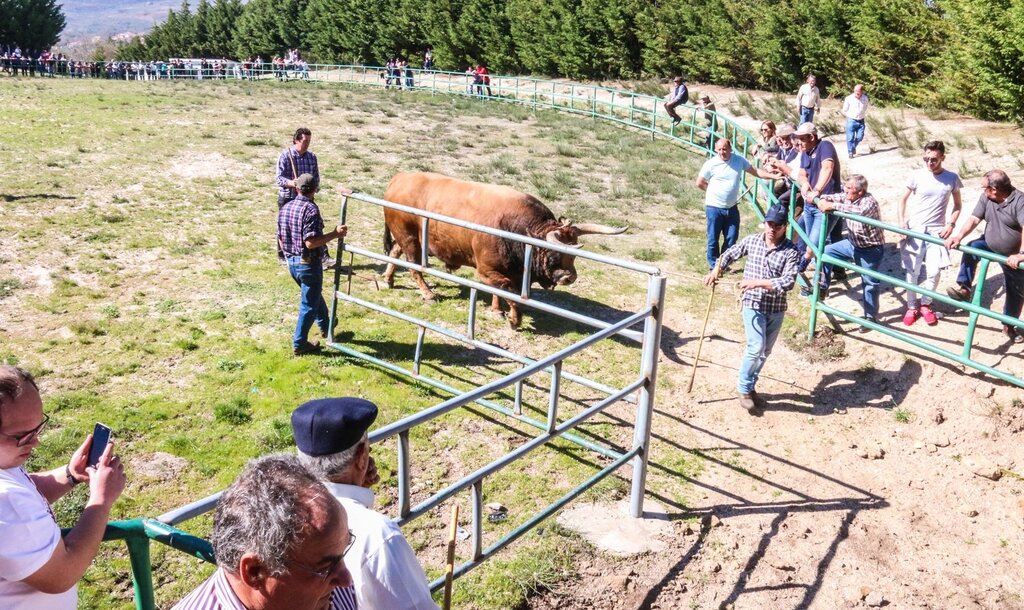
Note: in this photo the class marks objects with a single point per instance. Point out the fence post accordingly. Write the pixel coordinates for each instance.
(142, 572)
(645, 404)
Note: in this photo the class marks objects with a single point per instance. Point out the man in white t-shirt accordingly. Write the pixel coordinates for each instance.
(808, 100)
(855, 108)
(330, 434)
(721, 178)
(928, 192)
(39, 569)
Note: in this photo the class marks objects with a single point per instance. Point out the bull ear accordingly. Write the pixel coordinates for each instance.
(555, 236)
(595, 229)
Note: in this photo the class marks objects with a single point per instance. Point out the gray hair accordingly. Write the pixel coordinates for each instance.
(329, 466)
(12, 383)
(859, 182)
(998, 180)
(267, 512)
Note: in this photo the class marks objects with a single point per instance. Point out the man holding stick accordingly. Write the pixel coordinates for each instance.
(768, 276)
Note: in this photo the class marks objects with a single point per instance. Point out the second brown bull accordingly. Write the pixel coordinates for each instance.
(498, 262)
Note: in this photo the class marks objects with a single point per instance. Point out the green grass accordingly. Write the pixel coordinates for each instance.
(148, 296)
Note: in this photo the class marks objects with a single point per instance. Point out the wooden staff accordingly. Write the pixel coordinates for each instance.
(707, 314)
(449, 569)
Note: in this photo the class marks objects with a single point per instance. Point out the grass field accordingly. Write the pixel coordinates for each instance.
(138, 281)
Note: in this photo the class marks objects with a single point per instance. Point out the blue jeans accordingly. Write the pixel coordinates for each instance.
(1014, 279)
(806, 114)
(854, 134)
(762, 330)
(312, 307)
(811, 221)
(721, 221)
(868, 258)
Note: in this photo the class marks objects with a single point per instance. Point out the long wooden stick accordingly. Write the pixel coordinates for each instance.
(707, 315)
(449, 569)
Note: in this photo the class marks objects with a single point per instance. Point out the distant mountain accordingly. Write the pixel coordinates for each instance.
(88, 19)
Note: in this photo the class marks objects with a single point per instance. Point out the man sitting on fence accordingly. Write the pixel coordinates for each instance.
(680, 95)
(1001, 206)
(332, 444)
(280, 542)
(864, 244)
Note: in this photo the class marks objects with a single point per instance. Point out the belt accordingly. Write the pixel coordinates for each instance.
(306, 260)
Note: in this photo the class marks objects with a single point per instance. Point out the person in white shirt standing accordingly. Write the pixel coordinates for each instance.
(808, 100)
(39, 569)
(931, 187)
(330, 434)
(855, 107)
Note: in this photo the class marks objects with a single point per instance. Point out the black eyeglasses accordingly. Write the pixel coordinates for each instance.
(930, 160)
(20, 440)
(332, 567)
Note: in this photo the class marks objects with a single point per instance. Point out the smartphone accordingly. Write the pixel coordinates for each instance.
(100, 438)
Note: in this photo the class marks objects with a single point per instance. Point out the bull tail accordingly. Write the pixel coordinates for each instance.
(389, 241)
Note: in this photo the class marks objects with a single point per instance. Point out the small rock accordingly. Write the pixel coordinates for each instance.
(616, 582)
(932, 448)
(984, 468)
(874, 599)
(918, 445)
(872, 452)
(711, 521)
(939, 440)
(716, 568)
(938, 416)
(967, 510)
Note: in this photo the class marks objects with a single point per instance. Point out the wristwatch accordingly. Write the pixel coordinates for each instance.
(71, 478)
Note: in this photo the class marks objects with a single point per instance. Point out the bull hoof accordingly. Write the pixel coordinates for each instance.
(388, 281)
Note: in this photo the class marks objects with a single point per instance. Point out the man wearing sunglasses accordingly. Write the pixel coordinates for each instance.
(332, 443)
(280, 542)
(39, 569)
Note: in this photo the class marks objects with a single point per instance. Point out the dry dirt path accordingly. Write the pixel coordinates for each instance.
(883, 478)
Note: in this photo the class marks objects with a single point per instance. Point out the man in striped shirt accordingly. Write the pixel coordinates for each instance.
(769, 274)
(864, 244)
(279, 539)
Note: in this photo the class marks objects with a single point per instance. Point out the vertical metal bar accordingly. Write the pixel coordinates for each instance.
(972, 320)
(404, 495)
(816, 276)
(524, 290)
(556, 382)
(471, 319)
(422, 332)
(342, 214)
(142, 572)
(424, 235)
(351, 263)
(517, 407)
(645, 403)
(478, 518)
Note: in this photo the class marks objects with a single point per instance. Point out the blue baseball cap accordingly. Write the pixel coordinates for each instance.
(777, 214)
(331, 425)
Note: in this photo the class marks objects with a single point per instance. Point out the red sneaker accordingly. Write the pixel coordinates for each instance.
(929, 316)
(911, 316)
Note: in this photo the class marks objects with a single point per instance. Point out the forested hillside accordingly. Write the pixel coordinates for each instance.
(963, 55)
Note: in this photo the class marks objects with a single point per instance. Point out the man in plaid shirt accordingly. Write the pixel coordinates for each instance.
(768, 276)
(300, 235)
(864, 244)
(292, 163)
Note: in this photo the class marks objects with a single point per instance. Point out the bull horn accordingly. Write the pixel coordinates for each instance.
(594, 229)
(552, 236)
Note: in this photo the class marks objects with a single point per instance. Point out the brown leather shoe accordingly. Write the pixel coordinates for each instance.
(306, 348)
(959, 292)
(747, 401)
(1013, 334)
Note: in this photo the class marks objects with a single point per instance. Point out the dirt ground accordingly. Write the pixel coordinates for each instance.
(885, 478)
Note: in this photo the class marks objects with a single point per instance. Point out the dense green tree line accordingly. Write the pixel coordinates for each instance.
(32, 25)
(965, 55)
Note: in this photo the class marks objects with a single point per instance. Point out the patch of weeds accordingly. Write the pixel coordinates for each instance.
(981, 144)
(186, 345)
(648, 254)
(230, 365)
(277, 436)
(168, 306)
(826, 346)
(903, 416)
(256, 142)
(118, 200)
(110, 311)
(236, 411)
(113, 217)
(9, 285)
(212, 315)
(88, 329)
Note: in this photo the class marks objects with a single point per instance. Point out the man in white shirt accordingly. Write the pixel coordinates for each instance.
(855, 107)
(808, 100)
(332, 443)
(720, 178)
(931, 187)
(39, 569)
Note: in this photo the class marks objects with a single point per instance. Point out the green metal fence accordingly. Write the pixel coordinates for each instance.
(698, 131)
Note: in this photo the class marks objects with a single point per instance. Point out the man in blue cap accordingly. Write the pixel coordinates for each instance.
(330, 434)
(768, 276)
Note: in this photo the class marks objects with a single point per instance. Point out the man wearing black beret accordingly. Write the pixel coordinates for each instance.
(330, 434)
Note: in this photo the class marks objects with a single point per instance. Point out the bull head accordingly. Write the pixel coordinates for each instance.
(559, 269)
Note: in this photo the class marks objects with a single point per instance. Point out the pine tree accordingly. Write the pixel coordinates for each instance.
(34, 25)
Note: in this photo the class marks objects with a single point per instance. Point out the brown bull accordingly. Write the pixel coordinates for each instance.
(498, 262)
